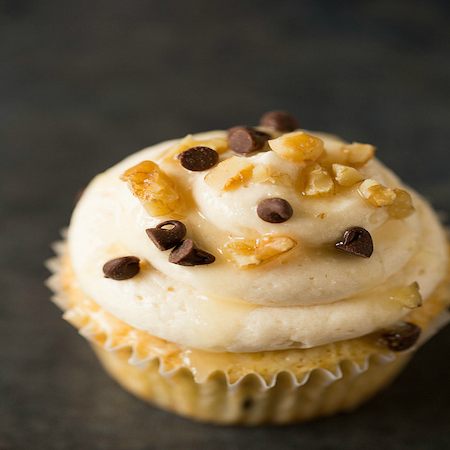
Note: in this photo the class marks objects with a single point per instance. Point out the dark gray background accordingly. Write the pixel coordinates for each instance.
(85, 83)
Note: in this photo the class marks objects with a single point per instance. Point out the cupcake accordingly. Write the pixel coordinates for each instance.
(255, 275)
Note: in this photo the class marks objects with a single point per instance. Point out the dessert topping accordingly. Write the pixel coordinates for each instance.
(246, 254)
(122, 268)
(346, 175)
(198, 159)
(167, 234)
(246, 139)
(263, 173)
(357, 241)
(402, 337)
(408, 296)
(228, 173)
(317, 181)
(279, 121)
(297, 146)
(155, 190)
(217, 144)
(356, 153)
(402, 206)
(376, 193)
(185, 254)
(274, 210)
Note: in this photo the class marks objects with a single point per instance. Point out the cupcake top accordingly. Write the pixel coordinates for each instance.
(256, 239)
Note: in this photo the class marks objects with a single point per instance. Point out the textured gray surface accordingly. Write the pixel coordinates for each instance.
(84, 84)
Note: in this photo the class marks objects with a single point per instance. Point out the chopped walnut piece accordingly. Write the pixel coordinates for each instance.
(316, 181)
(263, 173)
(402, 206)
(408, 296)
(376, 193)
(355, 154)
(217, 144)
(245, 254)
(346, 175)
(229, 173)
(297, 146)
(155, 190)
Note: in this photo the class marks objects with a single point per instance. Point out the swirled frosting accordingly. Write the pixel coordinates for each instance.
(307, 295)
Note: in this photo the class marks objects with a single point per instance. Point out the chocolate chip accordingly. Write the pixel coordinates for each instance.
(357, 241)
(274, 210)
(198, 158)
(246, 139)
(185, 254)
(167, 234)
(122, 268)
(247, 403)
(402, 337)
(279, 120)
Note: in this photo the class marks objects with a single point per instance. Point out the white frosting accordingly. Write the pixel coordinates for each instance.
(307, 297)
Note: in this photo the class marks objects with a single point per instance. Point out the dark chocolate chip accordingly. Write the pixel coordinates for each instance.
(198, 158)
(122, 268)
(357, 241)
(167, 234)
(274, 210)
(247, 403)
(402, 337)
(279, 120)
(185, 254)
(246, 139)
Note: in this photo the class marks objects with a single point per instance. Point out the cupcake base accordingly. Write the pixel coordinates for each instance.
(249, 402)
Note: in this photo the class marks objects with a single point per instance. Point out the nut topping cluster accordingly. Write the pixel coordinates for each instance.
(297, 146)
(320, 174)
(317, 174)
(154, 189)
(245, 254)
(229, 173)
